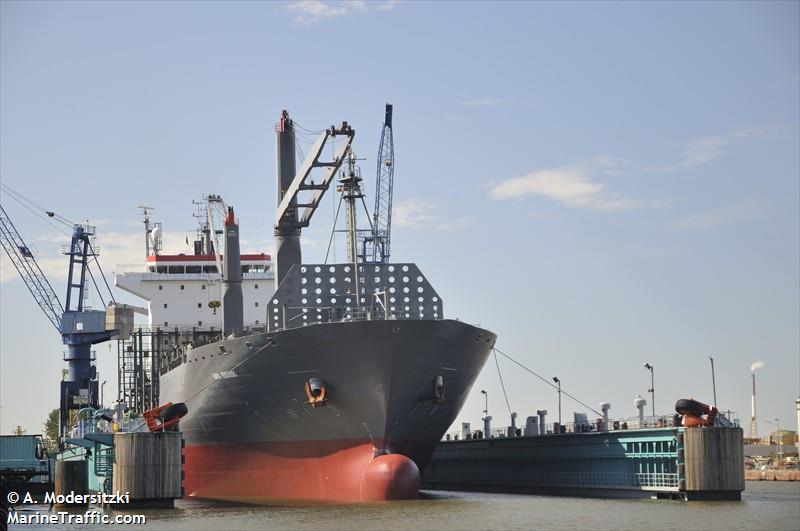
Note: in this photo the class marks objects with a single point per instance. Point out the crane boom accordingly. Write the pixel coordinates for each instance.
(25, 263)
(382, 215)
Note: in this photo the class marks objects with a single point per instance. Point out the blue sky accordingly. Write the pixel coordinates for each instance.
(601, 184)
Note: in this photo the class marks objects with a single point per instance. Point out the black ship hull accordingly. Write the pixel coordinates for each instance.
(392, 389)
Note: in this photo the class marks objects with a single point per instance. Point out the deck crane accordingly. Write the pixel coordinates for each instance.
(377, 245)
(80, 327)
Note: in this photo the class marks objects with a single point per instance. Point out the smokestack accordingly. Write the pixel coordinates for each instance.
(753, 421)
(797, 404)
(287, 232)
(232, 302)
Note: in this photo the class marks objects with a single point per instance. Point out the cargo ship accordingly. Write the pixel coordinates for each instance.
(349, 379)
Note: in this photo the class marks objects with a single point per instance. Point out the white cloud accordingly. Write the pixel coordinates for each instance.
(719, 216)
(387, 5)
(412, 213)
(311, 11)
(484, 102)
(702, 150)
(573, 185)
(421, 213)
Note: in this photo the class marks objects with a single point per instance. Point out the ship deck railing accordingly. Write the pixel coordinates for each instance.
(311, 315)
(615, 425)
(209, 277)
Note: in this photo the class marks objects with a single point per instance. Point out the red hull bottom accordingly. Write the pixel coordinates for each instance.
(320, 471)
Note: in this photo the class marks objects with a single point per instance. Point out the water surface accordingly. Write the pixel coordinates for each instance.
(768, 505)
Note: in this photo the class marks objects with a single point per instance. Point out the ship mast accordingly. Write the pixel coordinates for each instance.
(351, 191)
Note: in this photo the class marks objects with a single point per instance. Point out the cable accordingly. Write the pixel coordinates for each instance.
(502, 384)
(545, 380)
(333, 231)
(91, 275)
(20, 198)
(34, 212)
(297, 125)
(105, 280)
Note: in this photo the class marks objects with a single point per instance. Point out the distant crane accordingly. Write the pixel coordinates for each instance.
(79, 327)
(377, 246)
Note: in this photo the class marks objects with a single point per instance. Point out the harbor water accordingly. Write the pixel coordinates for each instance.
(773, 505)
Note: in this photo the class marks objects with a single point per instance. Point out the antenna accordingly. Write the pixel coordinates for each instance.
(146, 213)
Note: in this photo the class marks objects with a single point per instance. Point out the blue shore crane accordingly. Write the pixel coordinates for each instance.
(377, 245)
(80, 327)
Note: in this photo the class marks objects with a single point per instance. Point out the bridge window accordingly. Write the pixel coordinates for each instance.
(210, 269)
(161, 269)
(194, 269)
(176, 269)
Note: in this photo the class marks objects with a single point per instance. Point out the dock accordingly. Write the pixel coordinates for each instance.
(698, 463)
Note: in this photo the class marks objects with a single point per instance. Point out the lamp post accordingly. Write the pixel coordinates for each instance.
(556, 380)
(777, 424)
(780, 437)
(487, 420)
(102, 403)
(652, 390)
(713, 381)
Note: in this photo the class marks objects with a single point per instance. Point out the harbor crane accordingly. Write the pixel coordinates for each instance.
(80, 327)
(376, 247)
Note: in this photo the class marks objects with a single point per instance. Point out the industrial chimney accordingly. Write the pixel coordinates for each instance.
(753, 421)
(232, 303)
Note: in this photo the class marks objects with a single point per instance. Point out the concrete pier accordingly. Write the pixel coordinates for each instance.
(72, 477)
(713, 463)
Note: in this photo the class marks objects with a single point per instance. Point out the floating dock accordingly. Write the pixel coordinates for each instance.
(672, 463)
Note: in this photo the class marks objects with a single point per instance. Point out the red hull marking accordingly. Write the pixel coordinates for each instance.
(333, 471)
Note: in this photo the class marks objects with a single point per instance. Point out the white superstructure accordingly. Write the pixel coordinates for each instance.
(186, 290)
